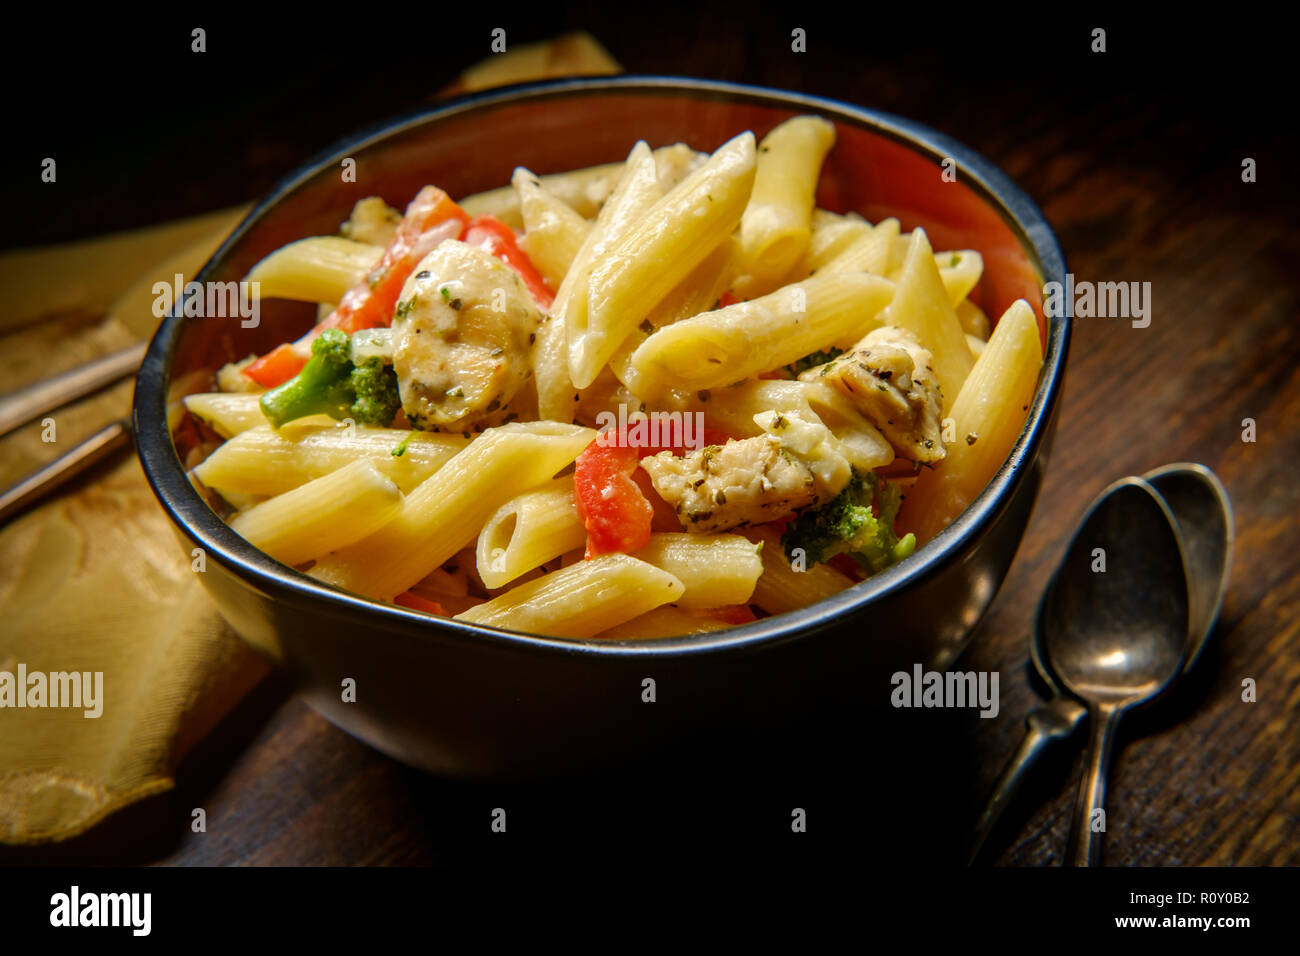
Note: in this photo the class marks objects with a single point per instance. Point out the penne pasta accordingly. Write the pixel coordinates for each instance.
(603, 394)
(446, 511)
(637, 190)
(748, 338)
(322, 515)
(921, 306)
(781, 588)
(775, 227)
(319, 269)
(553, 231)
(960, 272)
(528, 531)
(829, 235)
(666, 621)
(583, 190)
(657, 252)
(973, 320)
(264, 461)
(988, 416)
(698, 292)
(230, 413)
(581, 600)
(868, 252)
(715, 569)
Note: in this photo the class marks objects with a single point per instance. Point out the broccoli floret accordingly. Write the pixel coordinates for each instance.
(848, 524)
(331, 384)
(377, 399)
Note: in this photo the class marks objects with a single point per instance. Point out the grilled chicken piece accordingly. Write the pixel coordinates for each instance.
(888, 377)
(463, 332)
(747, 482)
(372, 221)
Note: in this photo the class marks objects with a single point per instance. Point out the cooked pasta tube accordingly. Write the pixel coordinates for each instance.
(747, 338)
(317, 269)
(781, 588)
(960, 271)
(322, 515)
(973, 320)
(581, 600)
(632, 200)
(583, 190)
(716, 569)
(868, 252)
(637, 191)
(698, 292)
(775, 227)
(553, 231)
(264, 461)
(666, 621)
(446, 511)
(921, 306)
(527, 531)
(230, 413)
(830, 234)
(988, 416)
(656, 253)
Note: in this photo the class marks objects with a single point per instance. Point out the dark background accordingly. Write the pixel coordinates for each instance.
(1135, 157)
(144, 130)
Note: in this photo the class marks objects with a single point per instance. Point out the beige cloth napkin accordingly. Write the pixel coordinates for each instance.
(93, 580)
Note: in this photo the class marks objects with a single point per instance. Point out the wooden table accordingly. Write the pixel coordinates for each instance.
(1136, 159)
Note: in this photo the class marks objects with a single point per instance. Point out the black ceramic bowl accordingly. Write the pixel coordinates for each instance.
(461, 699)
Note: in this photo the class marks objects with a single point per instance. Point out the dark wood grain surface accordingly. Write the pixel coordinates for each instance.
(1135, 156)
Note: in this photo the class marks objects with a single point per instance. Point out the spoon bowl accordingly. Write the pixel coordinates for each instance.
(1201, 508)
(1116, 616)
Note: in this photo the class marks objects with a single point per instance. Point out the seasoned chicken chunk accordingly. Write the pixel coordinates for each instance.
(372, 221)
(888, 377)
(462, 333)
(741, 483)
(811, 443)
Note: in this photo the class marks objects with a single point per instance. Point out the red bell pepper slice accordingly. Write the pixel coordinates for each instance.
(417, 603)
(277, 366)
(499, 239)
(616, 514)
(615, 511)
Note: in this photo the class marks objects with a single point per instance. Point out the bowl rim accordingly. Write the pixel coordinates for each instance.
(194, 518)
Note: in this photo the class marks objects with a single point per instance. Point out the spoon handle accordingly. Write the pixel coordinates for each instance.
(1057, 721)
(1085, 844)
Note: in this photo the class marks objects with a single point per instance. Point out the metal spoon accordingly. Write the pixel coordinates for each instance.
(1201, 507)
(1119, 637)
(1204, 514)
